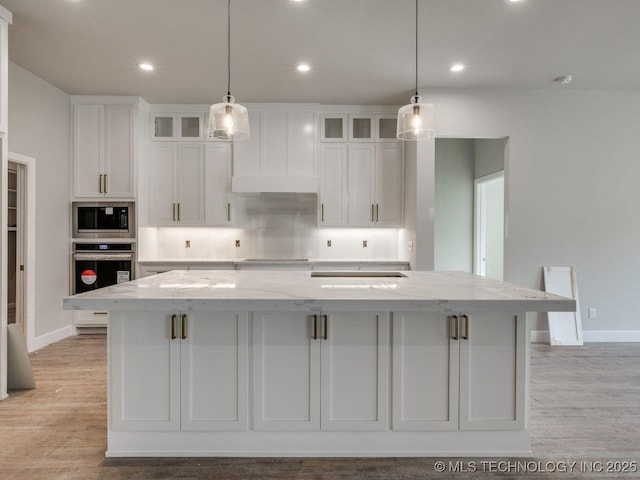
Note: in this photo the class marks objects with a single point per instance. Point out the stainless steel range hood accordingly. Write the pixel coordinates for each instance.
(265, 184)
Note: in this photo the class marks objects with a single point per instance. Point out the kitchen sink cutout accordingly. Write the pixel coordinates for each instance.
(358, 274)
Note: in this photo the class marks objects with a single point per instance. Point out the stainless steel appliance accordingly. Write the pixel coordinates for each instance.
(103, 220)
(97, 265)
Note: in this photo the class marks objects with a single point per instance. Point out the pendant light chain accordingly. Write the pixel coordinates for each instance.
(416, 48)
(229, 47)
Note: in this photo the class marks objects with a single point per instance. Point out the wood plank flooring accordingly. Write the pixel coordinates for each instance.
(585, 407)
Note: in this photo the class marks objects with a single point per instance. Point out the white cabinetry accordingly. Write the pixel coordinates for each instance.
(176, 184)
(325, 371)
(174, 371)
(5, 19)
(103, 150)
(217, 181)
(448, 375)
(177, 126)
(361, 185)
(279, 154)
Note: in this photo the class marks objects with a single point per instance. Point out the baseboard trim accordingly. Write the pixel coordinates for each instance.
(48, 338)
(594, 336)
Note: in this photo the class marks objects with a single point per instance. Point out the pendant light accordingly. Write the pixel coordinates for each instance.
(228, 120)
(417, 120)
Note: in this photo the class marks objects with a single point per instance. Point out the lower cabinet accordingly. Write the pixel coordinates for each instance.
(178, 371)
(459, 372)
(320, 372)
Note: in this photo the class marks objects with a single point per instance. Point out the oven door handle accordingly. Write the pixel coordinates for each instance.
(103, 256)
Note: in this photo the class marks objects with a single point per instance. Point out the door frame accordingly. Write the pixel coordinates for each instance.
(478, 219)
(28, 243)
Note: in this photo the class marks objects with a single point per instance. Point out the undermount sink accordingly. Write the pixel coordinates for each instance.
(358, 274)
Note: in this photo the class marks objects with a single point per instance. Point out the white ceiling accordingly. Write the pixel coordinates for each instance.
(361, 51)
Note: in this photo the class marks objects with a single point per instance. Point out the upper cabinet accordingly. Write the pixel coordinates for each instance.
(5, 21)
(333, 127)
(104, 150)
(362, 128)
(177, 126)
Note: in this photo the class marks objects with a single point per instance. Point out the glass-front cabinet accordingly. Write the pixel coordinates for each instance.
(171, 126)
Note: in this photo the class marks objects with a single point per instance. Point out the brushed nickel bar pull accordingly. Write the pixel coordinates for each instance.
(326, 327)
(322, 212)
(315, 327)
(456, 331)
(178, 211)
(184, 326)
(377, 212)
(105, 183)
(228, 212)
(372, 211)
(173, 327)
(466, 327)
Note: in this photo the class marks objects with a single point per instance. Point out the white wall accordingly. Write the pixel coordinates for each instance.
(39, 126)
(573, 165)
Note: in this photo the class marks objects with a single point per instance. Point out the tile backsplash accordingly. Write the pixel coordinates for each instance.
(274, 227)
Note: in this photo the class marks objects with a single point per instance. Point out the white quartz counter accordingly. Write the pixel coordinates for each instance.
(297, 290)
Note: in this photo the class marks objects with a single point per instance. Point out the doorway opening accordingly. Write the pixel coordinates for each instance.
(21, 244)
(469, 219)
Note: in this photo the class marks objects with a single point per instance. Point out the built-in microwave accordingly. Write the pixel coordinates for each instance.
(103, 220)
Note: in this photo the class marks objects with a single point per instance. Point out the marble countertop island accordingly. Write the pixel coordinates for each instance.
(294, 290)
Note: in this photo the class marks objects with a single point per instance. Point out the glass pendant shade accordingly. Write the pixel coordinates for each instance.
(228, 120)
(417, 120)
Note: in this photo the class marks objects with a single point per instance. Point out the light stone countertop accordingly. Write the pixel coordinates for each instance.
(295, 290)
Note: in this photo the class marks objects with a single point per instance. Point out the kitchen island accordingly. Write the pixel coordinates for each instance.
(299, 363)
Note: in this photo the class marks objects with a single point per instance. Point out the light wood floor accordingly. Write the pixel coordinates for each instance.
(585, 407)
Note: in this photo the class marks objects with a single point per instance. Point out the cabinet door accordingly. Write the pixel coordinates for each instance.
(163, 127)
(189, 184)
(190, 126)
(286, 372)
(161, 184)
(214, 371)
(386, 128)
(301, 145)
(389, 181)
(360, 181)
(247, 154)
(333, 185)
(119, 151)
(333, 128)
(493, 372)
(145, 372)
(88, 150)
(217, 184)
(354, 371)
(425, 372)
(362, 128)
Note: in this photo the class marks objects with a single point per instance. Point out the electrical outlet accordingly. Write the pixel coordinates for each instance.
(592, 313)
(364, 244)
(187, 244)
(237, 243)
(410, 245)
(328, 243)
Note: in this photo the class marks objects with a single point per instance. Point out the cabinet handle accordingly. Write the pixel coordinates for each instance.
(466, 327)
(178, 211)
(372, 211)
(228, 212)
(326, 327)
(322, 212)
(377, 212)
(315, 327)
(105, 183)
(173, 212)
(100, 184)
(173, 327)
(184, 326)
(456, 332)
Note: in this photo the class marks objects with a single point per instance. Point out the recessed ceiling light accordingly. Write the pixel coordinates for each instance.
(457, 67)
(564, 79)
(303, 67)
(298, 1)
(514, 1)
(145, 66)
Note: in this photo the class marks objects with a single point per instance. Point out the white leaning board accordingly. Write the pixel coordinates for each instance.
(565, 328)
